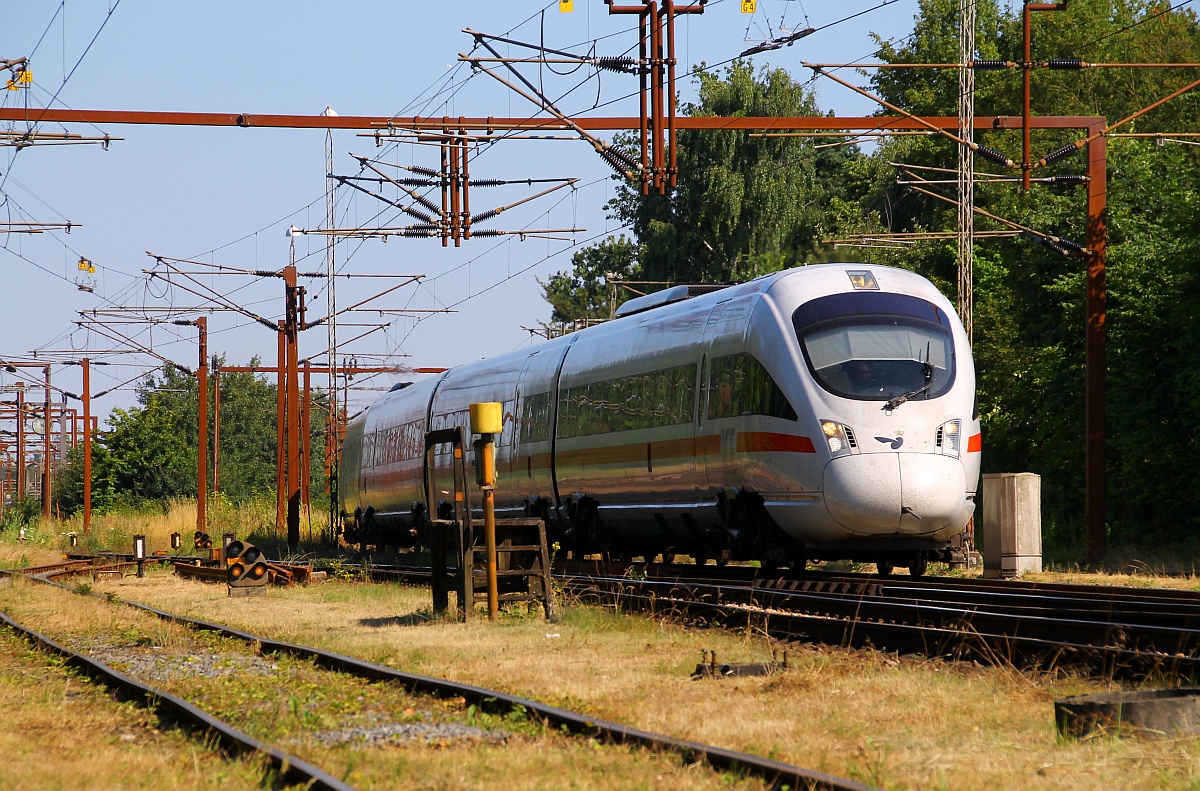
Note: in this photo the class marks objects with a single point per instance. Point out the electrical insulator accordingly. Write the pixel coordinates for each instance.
(1059, 154)
(993, 155)
(988, 65)
(1067, 180)
(1071, 248)
(1064, 64)
(625, 65)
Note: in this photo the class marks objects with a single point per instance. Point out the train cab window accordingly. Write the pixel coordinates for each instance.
(738, 384)
(875, 346)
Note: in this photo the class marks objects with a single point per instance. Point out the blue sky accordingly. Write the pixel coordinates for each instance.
(226, 196)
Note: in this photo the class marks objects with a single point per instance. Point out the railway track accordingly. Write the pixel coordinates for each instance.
(168, 707)
(1123, 633)
(1113, 632)
(776, 773)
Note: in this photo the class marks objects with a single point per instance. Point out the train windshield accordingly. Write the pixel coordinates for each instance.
(874, 346)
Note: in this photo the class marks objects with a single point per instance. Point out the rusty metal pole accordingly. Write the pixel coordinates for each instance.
(1026, 74)
(656, 93)
(1095, 299)
(87, 445)
(445, 179)
(291, 409)
(47, 469)
(672, 162)
(216, 475)
(280, 435)
(466, 184)
(202, 425)
(455, 194)
(20, 443)
(306, 442)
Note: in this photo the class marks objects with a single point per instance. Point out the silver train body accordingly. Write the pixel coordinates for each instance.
(817, 413)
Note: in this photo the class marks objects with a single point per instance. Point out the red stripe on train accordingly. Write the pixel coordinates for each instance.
(767, 441)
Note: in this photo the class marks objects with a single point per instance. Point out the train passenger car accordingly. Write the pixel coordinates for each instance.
(821, 412)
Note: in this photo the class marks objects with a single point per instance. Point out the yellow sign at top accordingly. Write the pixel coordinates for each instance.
(86, 266)
(749, 6)
(566, 6)
(25, 77)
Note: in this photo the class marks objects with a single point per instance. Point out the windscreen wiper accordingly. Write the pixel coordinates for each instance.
(900, 399)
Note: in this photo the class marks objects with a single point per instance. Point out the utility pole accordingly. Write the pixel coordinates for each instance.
(292, 401)
(87, 445)
(332, 449)
(216, 475)
(47, 469)
(280, 437)
(966, 167)
(202, 446)
(20, 443)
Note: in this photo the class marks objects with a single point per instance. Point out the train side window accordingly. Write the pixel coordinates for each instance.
(535, 418)
(658, 398)
(740, 385)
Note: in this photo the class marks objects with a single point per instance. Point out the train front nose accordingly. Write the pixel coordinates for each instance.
(884, 493)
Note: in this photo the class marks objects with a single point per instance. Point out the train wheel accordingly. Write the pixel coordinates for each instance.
(668, 557)
(918, 566)
(884, 567)
(700, 559)
(723, 558)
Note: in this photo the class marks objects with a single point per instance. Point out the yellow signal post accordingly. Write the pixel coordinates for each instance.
(487, 420)
(566, 6)
(749, 6)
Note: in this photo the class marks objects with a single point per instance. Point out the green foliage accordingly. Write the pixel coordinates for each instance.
(748, 205)
(1029, 302)
(744, 205)
(148, 454)
(585, 291)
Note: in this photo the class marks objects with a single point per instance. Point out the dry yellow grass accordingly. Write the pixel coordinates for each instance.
(115, 531)
(291, 699)
(1131, 578)
(894, 722)
(53, 717)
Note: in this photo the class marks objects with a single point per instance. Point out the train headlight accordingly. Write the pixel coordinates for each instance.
(949, 438)
(835, 437)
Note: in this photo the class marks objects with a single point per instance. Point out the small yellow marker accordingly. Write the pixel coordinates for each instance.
(25, 77)
(10, 85)
(86, 266)
(749, 6)
(566, 6)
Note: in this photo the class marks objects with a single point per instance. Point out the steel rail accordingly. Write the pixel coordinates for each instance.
(1138, 637)
(777, 773)
(169, 707)
(989, 648)
(895, 582)
(1045, 624)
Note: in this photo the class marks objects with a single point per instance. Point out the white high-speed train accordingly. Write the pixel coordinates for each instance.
(823, 412)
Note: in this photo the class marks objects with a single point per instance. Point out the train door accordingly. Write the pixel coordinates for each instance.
(716, 435)
(708, 441)
(532, 459)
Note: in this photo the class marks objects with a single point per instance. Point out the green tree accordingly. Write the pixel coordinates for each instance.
(585, 291)
(745, 205)
(1029, 301)
(148, 452)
